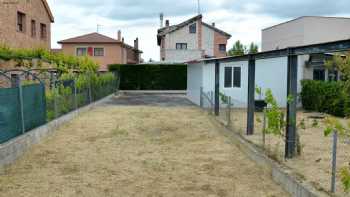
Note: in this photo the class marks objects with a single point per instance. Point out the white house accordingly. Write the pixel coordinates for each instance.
(307, 30)
(190, 40)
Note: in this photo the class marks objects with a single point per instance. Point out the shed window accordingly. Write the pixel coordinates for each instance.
(193, 28)
(99, 52)
(237, 77)
(228, 77)
(81, 51)
(181, 46)
(21, 22)
(232, 77)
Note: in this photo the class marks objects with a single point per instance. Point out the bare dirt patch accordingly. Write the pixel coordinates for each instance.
(315, 162)
(137, 151)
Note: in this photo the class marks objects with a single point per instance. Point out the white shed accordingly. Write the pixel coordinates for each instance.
(269, 74)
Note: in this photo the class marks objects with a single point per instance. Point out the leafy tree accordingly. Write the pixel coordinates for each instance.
(237, 49)
(253, 48)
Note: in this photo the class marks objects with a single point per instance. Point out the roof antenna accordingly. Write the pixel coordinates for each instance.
(98, 28)
(199, 7)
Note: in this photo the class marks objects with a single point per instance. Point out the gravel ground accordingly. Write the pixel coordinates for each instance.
(138, 150)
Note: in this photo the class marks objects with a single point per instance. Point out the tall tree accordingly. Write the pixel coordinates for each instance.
(237, 49)
(253, 48)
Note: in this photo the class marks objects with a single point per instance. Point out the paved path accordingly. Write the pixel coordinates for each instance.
(137, 145)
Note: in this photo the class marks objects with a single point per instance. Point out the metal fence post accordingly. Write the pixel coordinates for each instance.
(90, 95)
(75, 95)
(251, 96)
(334, 161)
(55, 106)
(201, 97)
(20, 90)
(229, 112)
(217, 88)
(211, 102)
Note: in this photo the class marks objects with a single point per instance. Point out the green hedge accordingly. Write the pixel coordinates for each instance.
(327, 97)
(151, 77)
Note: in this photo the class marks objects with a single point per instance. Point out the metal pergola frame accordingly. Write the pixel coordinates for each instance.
(292, 82)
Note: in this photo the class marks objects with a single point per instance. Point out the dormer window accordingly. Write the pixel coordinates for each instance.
(193, 28)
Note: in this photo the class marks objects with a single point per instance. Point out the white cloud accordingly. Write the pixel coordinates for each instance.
(139, 18)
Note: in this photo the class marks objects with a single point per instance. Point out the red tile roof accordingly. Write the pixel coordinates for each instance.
(90, 38)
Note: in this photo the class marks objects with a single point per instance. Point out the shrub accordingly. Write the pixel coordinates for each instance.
(64, 63)
(151, 77)
(327, 97)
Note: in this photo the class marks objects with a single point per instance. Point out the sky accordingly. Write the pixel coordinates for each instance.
(243, 19)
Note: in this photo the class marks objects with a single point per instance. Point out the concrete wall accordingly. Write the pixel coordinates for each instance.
(34, 10)
(305, 31)
(174, 55)
(182, 36)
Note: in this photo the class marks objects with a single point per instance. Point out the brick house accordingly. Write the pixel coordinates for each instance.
(190, 40)
(104, 50)
(25, 24)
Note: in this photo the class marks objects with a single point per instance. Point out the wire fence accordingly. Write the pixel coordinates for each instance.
(328, 155)
(27, 104)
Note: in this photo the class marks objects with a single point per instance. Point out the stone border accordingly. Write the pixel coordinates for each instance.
(10, 151)
(153, 91)
(280, 174)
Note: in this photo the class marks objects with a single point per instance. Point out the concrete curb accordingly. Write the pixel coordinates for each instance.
(280, 174)
(13, 149)
(152, 91)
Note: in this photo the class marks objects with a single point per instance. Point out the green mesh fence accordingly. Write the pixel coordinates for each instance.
(10, 120)
(41, 105)
(33, 106)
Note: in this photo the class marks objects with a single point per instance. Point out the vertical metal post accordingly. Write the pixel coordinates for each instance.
(75, 95)
(217, 88)
(211, 102)
(334, 161)
(264, 129)
(229, 112)
(20, 93)
(251, 95)
(291, 105)
(90, 94)
(55, 100)
(201, 97)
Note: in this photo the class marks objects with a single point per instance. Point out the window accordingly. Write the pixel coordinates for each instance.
(228, 77)
(193, 28)
(237, 77)
(232, 77)
(99, 52)
(319, 74)
(222, 47)
(181, 46)
(81, 51)
(33, 28)
(43, 31)
(21, 22)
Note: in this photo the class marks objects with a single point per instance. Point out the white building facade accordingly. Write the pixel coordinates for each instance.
(191, 40)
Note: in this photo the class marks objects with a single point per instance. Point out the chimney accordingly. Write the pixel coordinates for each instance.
(136, 43)
(119, 35)
(213, 24)
(161, 16)
(167, 23)
(123, 40)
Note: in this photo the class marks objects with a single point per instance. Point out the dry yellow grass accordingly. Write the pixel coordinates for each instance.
(137, 151)
(315, 162)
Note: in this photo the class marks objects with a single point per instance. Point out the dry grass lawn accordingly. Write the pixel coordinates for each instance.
(137, 151)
